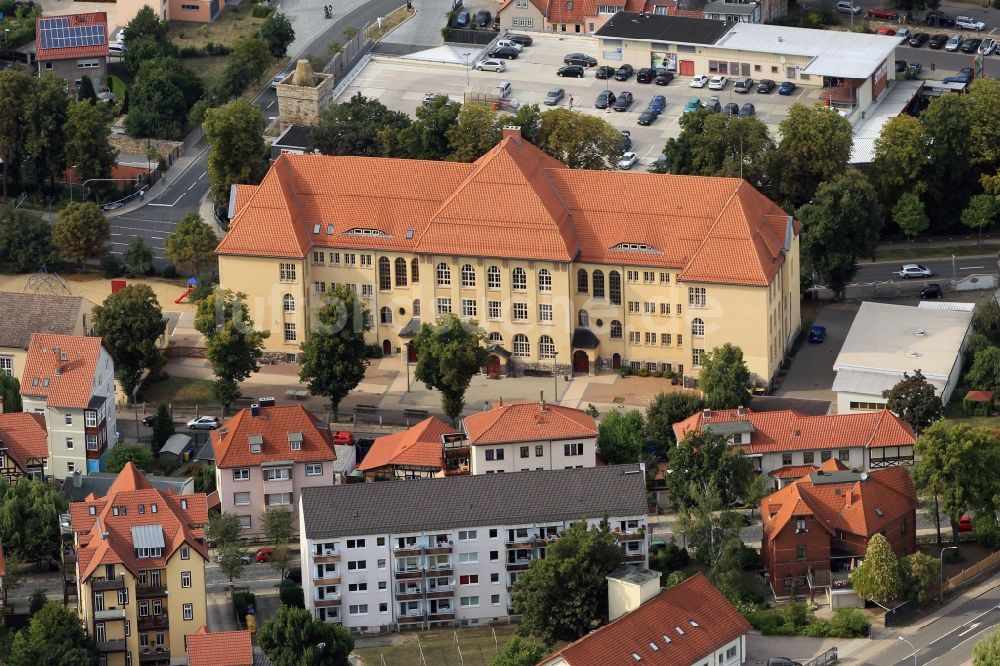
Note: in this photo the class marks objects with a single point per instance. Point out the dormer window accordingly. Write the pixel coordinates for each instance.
(184, 504)
(92, 510)
(633, 247)
(295, 441)
(142, 509)
(362, 231)
(152, 508)
(256, 443)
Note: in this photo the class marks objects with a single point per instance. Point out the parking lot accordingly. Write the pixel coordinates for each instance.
(400, 84)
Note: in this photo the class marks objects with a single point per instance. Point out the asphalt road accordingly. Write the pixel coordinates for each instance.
(944, 269)
(943, 60)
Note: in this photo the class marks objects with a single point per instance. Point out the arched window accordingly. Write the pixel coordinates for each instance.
(616, 329)
(521, 345)
(288, 303)
(598, 284)
(385, 315)
(615, 288)
(583, 319)
(416, 307)
(544, 280)
(519, 279)
(443, 275)
(546, 347)
(468, 276)
(400, 272)
(384, 279)
(494, 337)
(697, 327)
(414, 271)
(493, 277)
(582, 282)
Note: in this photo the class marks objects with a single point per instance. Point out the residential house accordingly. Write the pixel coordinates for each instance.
(557, 283)
(416, 453)
(442, 552)
(220, 648)
(887, 340)
(195, 11)
(24, 446)
(70, 381)
(72, 46)
(582, 16)
(816, 529)
(787, 445)
(690, 624)
(140, 570)
(265, 456)
(43, 313)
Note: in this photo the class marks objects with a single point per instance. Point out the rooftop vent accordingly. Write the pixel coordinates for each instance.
(255, 409)
(693, 623)
(879, 512)
(636, 657)
(667, 638)
(654, 647)
(921, 332)
(266, 402)
(706, 413)
(912, 353)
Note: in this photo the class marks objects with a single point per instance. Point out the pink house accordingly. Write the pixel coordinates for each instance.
(265, 456)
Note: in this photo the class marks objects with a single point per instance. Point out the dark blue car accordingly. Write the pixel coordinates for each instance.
(658, 103)
(786, 88)
(817, 333)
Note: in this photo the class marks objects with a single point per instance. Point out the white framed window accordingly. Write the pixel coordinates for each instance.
(355, 543)
(519, 279)
(357, 609)
(242, 474)
(664, 308)
(443, 306)
(522, 347)
(468, 275)
(546, 347)
(90, 419)
(469, 602)
(545, 312)
(520, 311)
(277, 499)
(697, 356)
(68, 418)
(665, 339)
(631, 276)
(357, 565)
(517, 21)
(241, 499)
(281, 474)
(290, 334)
(697, 298)
(319, 257)
(91, 442)
(443, 275)
(468, 307)
(188, 610)
(314, 469)
(494, 309)
(697, 327)
(664, 278)
(7, 365)
(493, 277)
(468, 558)
(69, 443)
(185, 552)
(544, 280)
(185, 579)
(245, 521)
(286, 272)
(573, 449)
(649, 307)
(467, 535)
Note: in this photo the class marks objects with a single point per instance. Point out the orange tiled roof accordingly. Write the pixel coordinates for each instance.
(980, 396)
(232, 444)
(72, 387)
(219, 648)
(526, 422)
(74, 24)
(843, 501)
(694, 615)
(105, 535)
(419, 446)
(718, 230)
(792, 471)
(24, 436)
(789, 430)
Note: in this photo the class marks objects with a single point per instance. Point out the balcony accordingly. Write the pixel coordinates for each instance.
(112, 584)
(153, 655)
(409, 551)
(116, 645)
(440, 593)
(521, 542)
(411, 618)
(410, 574)
(328, 557)
(146, 591)
(327, 602)
(441, 571)
(518, 565)
(631, 536)
(413, 595)
(441, 617)
(327, 580)
(443, 548)
(640, 557)
(109, 614)
(154, 622)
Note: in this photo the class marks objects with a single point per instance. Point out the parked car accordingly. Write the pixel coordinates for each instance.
(120, 35)
(900, 66)
(627, 161)
(571, 71)
(343, 438)
(786, 88)
(766, 86)
(693, 104)
(647, 117)
(116, 49)
(431, 96)
(713, 104)
(645, 75)
(699, 81)
(604, 72)
(886, 30)
(970, 45)
(748, 110)
(658, 103)
(553, 96)
(907, 271)
(204, 423)
(462, 19)
(623, 102)
(904, 33)
(510, 44)
(932, 290)
(988, 47)
(782, 661)
(580, 59)
(965, 523)
(504, 52)
(847, 7)
(718, 82)
(817, 334)
(243, 558)
(953, 43)
(743, 85)
(883, 13)
(663, 78)
(493, 65)
(937, 41)
(624, 142)
(968, 23)
(149, 420)
(731, 109)
(605, 98)
(964, 76)
(919, 39)
(624, 73)
(523, 40)
(263, 555)
(937, 18)
(483, 18)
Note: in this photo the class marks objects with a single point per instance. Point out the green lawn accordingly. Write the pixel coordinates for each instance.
(180, 391)
(439, 647)
(921, 251)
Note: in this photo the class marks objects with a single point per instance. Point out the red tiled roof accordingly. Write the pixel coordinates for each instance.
(106, 538)
(73, 387)
(788, 430)
(792, 471)
(694, 599)
(980, 396)
(718, 230)
(219, 648)
(849, 504)
(526, 422)
(419, 446)
(24, 436)
(75, 23)
(232, 444)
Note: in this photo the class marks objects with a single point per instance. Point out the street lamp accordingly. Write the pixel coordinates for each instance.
(467, 67)
(941, 573)
(406, 362)
(555, 377)
(912, 648)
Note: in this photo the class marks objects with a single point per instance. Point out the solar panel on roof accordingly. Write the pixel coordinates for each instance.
(56, 33)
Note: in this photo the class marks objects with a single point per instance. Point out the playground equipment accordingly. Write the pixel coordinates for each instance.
(192, 283)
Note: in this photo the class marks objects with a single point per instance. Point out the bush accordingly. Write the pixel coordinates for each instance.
(170, 272)
(373, 351)
(625, 371)
(263, 11)
(37, 601)
(953, 556)
(112, 266)
(766, 621)
(241, 602)
(291, 594)
(986, 532)
(189, 52)
(849, 623)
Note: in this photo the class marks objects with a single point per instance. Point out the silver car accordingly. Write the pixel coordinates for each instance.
(914, 270)
(554, 96)
(492, 64)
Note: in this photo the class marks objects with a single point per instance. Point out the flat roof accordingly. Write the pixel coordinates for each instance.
(661, 28)
(730, 8)
(870, 127)
(887, 340)
(848, 55)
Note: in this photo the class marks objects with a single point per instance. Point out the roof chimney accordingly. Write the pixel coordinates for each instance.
(255, 410)
(511, 130)
(706, 413)
(77, 479)
(741, 411)
(541, 398)
(848, 496)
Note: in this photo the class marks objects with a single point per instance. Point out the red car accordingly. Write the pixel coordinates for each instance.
(343, 437)
(262, 555)
(886, 30)
(883, 13)
(965, 524)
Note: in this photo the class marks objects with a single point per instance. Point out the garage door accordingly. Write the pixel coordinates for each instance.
(687, 67)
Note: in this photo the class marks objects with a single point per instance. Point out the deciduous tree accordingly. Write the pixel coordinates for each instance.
(192, 246)
(877, 577)
(815, 146)
(529, 118)
(909, 215)
(293, 637)
(88, 149)
(918, 576)
(45, 140)
(163, 426)
(29, 520)
(138, 257)
(159, 100)
(224, 529)
(145, 49)
(663, 412)
(55, 637)
(278, 524)
(353, 127)
(16, 86)
(233, 346)
(81, 232)
(563, 595)
(519, 652)
(914, 400)
(981, 213)
(450, 352)
(711, 144)
(426, 138)
(985, 372)
(25, 239)
(131, 323)
(278, 33)
(704, 461)
(725, 378)
(901, 158)
(578, 140)
(231, 558)
(125, 453)
(620, 437)
(238, 155)
(333, 358)
(476, 130)
(950, 180)
(10, 391)
(987, 650)
(145, 24)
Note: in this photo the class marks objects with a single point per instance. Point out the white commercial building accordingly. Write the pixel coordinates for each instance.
(380, 557)
(886, 341)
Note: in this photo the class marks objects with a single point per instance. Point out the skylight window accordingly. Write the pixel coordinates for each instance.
(879, 512)
(693, 623)
(633, 247)
(316, 228)
(667, 638)
(654, 647)
(362, 231)
(636, 657)
(329, 230)
(679, 630)
(409, 234)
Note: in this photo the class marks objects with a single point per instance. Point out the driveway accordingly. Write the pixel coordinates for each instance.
(797, 648)
(811, 375)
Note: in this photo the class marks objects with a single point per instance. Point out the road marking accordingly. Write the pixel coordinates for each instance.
(169, 204)
(269, 105)
(192, 185)
(981, 615)
(202, 175)
(972, 627)
(968, 268)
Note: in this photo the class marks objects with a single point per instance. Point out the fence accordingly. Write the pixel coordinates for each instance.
(981, 567)
(828, 657)
(480, 37)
